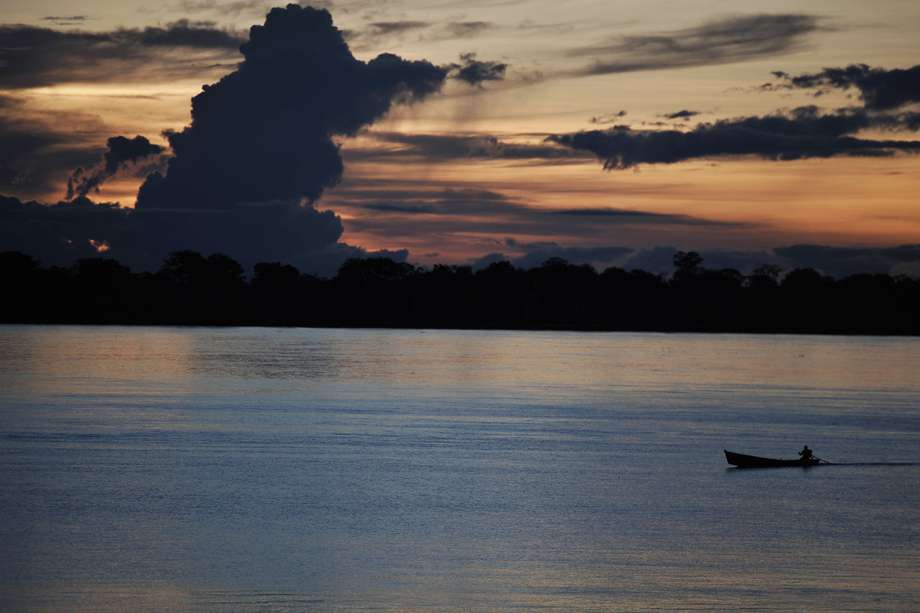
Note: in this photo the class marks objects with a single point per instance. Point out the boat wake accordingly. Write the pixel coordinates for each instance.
(824, 463)
(869, 464)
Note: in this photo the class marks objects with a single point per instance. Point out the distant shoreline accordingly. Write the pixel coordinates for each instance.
(378, 293)
(228, 326)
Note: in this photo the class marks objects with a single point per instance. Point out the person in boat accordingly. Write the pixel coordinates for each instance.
(806, 454)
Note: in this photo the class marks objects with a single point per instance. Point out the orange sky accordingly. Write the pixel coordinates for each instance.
(752, 203)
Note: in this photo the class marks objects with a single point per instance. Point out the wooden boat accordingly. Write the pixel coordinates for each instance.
(750, 461)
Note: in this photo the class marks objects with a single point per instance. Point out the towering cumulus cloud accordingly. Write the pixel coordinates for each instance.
(242, 177)
(263, 133)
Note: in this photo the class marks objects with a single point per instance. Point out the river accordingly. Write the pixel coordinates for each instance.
(246, 469)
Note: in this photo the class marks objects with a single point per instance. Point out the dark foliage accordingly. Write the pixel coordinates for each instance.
(377, 292)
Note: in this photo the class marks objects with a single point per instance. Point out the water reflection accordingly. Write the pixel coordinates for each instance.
(253, 469)
(128, 356)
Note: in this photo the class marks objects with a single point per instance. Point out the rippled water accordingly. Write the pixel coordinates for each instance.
(279, 469)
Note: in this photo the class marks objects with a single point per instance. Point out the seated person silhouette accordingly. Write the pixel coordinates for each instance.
(806, 454)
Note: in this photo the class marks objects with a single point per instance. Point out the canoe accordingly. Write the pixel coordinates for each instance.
(751, 461)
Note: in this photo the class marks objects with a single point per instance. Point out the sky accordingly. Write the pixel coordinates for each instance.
(610, 133)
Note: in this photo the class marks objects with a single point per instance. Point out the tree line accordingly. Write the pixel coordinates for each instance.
(193, 289)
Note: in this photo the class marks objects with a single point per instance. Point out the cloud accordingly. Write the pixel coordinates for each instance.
(35, 57)
(842, 261)
(264, 132)
(383, 28)
(801, 133)
(466, 29)
(66, 20)
(388, 207)
(434, 201)
(187, 34)
(476, 72)
(879, 89)
(683, 114)
(258, 150)
(59, 234)
(453, 146)
(235, 8)
(378, 33)
(608, 118)
(38, 149)
(121, 153)
(837, 262)
(830, 260)
(630, 215)
(532, 255)
(463, 215)
(659, 259)
(723, 41)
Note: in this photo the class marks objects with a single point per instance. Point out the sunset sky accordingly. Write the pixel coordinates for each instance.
(604, 132)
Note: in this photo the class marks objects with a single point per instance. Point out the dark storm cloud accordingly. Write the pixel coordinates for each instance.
(476, 72)
(38, 149)
(879, 89)
(259, 144)
(122, 150)
(264, 132)
(722, 41)
(34, 57)
(59, 234)
(798, 134)
(120, 153)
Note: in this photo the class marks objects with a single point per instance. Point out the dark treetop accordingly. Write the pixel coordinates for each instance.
(377, 292)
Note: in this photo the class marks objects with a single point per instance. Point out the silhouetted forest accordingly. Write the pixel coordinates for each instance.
(197, 290)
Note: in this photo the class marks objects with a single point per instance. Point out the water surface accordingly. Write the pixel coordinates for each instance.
(285, 469)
